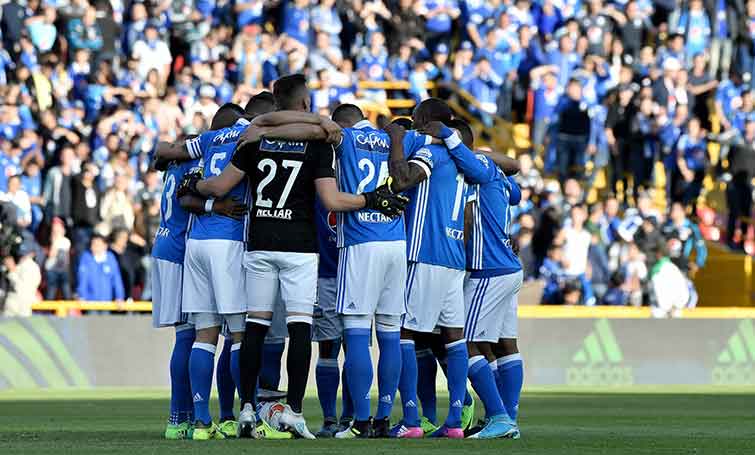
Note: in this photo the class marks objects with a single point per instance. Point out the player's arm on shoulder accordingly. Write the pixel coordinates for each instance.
(297, 132)
(404, 174)
(230, 207)
(279, 118)
(508, 165)
(171, 151)
(515, 193)
(220, 185)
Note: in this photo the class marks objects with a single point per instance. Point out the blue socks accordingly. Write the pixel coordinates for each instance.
(270, 370)
(236, 365)
(483, 382)
(347, 406)
(444, 367)
(407, 385)
(389, 371)
(457, 381)
(181, 407)
(327, 377)
(427, 370)
(511, 374)
(359, 370)
(201, 364)
(224, 382)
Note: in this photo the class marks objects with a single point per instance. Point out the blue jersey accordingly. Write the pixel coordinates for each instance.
(217, 149)
(326, 241)
(489, 251)
(435, 215)
(170, 239)
(362, 166)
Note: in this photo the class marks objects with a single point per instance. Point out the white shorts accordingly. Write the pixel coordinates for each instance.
(491, 307)
(292, 277)
(327, 323)
(371, 278)
(434, 296)
(167, 279)
(214, 277)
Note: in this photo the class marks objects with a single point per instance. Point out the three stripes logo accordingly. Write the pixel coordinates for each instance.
(599, 362)
(736, 363)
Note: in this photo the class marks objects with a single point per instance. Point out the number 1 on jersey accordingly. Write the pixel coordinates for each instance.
(459, 196)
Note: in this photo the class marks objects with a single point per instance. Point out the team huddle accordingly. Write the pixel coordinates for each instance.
(278, 223)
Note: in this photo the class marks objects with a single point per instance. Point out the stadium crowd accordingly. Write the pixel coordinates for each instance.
(89, 87)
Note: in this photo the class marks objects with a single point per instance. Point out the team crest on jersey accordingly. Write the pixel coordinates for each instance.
(332, 222)
(268, 145)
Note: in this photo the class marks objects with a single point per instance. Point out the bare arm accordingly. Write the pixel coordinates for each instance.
(229, 207)
(508, 165)
(337, 201)
(404, 174)
(285, 117)
(220, 185)
(172, 151)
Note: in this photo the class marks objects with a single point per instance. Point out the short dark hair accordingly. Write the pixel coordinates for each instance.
(347, 115)
(406, 122)
(289, 91)
(467, 135)
(432, 109)
(259, 104)
(226, 116)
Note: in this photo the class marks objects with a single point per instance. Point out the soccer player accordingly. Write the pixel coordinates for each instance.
(167, 275)
(371, 273)
(282, 247)
(435, 222)
(490, 295)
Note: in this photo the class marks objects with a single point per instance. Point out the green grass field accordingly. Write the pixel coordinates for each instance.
(661, 420)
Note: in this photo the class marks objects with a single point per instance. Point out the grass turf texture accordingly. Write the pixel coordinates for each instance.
(635, 420)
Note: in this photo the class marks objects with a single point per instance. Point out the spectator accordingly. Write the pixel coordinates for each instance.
(577, 241)
(151, 53)
(116, 210)
(57, 188)
(86, 206)
(438, 15)
(98, 275)
(42, 30)
(24, 277)
(20, 200)
(128, 255)
(296, 20)
(83, 33)
(691, 161)
(57, 265)
(573, 132)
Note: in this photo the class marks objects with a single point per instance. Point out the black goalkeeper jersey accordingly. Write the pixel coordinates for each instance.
(281, 176)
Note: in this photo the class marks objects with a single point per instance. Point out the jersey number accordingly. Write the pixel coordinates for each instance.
(459, 196)
(269, 166)
(367, 165)
(170, 188)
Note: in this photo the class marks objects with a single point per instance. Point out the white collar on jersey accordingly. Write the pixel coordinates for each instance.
(362, 124)
(242, 121)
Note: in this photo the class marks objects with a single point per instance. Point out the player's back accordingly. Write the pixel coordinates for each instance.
(282, 175)
(489, 248)
(435, 215)
(216, 155)
(170, 238)
(362, 166)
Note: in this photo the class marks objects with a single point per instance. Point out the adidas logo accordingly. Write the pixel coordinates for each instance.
(352, 306)
(411, 404)
(367, 396)
(481, 334)
(386, 399)
(736, 362)
(413, 321)
(197, 397)
(456, 404)
(599, 361)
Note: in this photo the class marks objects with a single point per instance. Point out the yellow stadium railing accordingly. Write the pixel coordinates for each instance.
(66, 308)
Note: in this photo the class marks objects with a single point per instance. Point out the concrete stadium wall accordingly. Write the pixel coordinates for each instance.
(114, 351)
